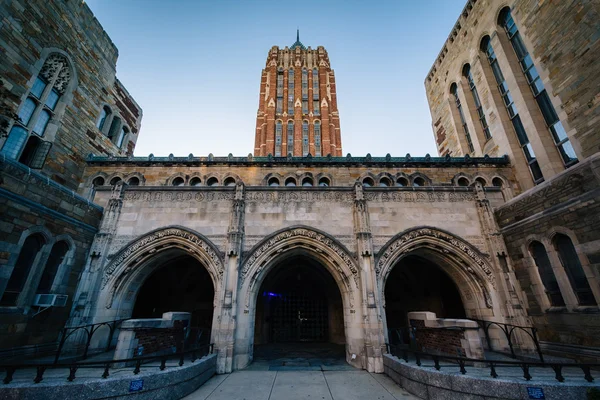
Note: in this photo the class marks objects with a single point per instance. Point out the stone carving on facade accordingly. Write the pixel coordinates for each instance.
(176, 196)
(399, 196)
(57, 65)
(147, 241)
(402, 242)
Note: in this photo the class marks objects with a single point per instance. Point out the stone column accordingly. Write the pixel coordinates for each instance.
(371, 303)
(235, 238)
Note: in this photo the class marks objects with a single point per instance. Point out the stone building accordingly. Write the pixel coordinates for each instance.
(521, 78)
(300, 244)
(59, 101)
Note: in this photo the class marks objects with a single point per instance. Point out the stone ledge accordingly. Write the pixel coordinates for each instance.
(428, 383)
(171, 384)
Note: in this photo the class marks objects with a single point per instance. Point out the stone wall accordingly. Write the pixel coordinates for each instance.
(31, 30)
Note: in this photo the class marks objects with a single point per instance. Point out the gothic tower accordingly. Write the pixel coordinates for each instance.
(297, 111)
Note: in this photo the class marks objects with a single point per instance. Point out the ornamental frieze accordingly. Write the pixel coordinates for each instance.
(148, 240)
(176, 196)
(347, 197)
(405, 240)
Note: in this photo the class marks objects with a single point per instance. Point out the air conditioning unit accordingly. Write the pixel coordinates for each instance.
(50, 300)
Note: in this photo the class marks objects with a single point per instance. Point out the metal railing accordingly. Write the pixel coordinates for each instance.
(509, 332)
(463, 362)
(73, 367)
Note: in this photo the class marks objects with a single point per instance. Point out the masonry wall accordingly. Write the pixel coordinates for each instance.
(28, 31)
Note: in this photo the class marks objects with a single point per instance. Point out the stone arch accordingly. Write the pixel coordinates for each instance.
(134, 262)
(464, 263)
(314, 244)
(416, 175)
(321, 175)
(170, 179)
(461, 175)
(138, 175)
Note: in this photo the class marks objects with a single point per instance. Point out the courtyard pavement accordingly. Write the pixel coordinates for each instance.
(294, 385)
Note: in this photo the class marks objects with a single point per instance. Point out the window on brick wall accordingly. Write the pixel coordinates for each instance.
(290, 137)
(25, 141)
(290, 105)
(304, 138)
(542, 262)
(278, 134)
(463, 121)
(558, 133)
(317, 128)
(479, 108)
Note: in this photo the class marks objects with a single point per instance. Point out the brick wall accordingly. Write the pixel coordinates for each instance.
(160, 340)
(439, 340)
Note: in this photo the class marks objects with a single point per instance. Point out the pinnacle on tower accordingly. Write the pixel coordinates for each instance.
(298, 43)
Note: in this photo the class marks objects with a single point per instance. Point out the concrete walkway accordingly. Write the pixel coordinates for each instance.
(293, 385)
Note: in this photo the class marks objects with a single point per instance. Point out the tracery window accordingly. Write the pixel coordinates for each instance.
(556, 128)
(279, 104)
(24, 142)
(463, 121)
(317, 128)
(536, 172)
(304, 138)
(278, 134)
(25, 262)
(542, 262)
(479, 108)
(291, 92)
(570, 261)
(290, 137)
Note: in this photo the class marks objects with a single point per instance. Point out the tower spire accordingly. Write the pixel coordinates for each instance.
(297, 34)
(298, 43)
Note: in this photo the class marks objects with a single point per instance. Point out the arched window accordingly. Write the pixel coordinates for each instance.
(317, 138)
(55, 259)
(278, 134)
(114, 181)
(273, 182)
(385, 182)
(536, 172)
(368, 182)
(291, 91)
(27, 257)
(304, 138)
(557, 130)
(418, 181)
(290, 137)
(290, 182)
(179, 181)
(36, 112)
(104, 114)
(212, 181)
(463, 121)
(279, 103)
(462, 181)
(122, 135)
(307, 181)
(402, 182)
(229, 181)
(195, 181)
(570, 261)
(133, 181)
(114, 128)
(324, 182)
(479, 108)
(304, 91)
(481, 181)
(497, 182)
(542, 262)
(315, 78)
(98, 181)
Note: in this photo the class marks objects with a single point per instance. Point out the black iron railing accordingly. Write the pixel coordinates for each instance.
(509, 332)
(40, 368)
(462, 362)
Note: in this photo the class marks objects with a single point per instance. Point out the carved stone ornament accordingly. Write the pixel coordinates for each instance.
(147, 241)
(404, 241)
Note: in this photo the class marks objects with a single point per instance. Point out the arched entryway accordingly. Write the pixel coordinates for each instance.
(418, 284)
(299, 315)
(180, 284)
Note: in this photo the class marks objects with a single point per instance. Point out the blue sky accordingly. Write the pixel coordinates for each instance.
(194, 67)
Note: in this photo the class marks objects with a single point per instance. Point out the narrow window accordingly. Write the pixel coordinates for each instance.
(114, 127)
(539, 92)
(479, 108)
(230, 181)
(212, 182)
(115, 181)
(98, 181)
(304, 138)
(402, 182)
(122, 135)
(30, 250)
(195, 181)
(104, 114)
(463, 181)
(315, 84)
(290, 182)
(134, 181)
(290, 137)
(542, 262)
(279, 103)
(27, 110)
(536, 172)
(454, 91)
(278, 134)
(55, 259)
(570, 261)
(307, 181)
(418, 181)
(324, 182)
(273, 182)
(38, 88)
(179, 181)
(385, 182)
(368, 182)
(317, 139)
(41, 123)
(15, 141)
(291, 92)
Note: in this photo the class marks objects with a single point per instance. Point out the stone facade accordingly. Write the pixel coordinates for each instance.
(297, 110)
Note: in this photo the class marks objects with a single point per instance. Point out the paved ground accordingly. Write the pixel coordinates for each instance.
(295, 385)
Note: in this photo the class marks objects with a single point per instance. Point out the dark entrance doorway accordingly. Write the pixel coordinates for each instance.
(417, 284)
(180, 284)
(299, 314)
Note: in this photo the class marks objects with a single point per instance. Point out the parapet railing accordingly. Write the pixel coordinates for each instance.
(40, 368)
(462, 362)
(509, 331)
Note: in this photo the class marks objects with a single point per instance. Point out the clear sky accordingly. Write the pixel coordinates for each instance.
(194, 67)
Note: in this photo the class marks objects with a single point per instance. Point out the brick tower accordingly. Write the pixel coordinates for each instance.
(297, 111)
